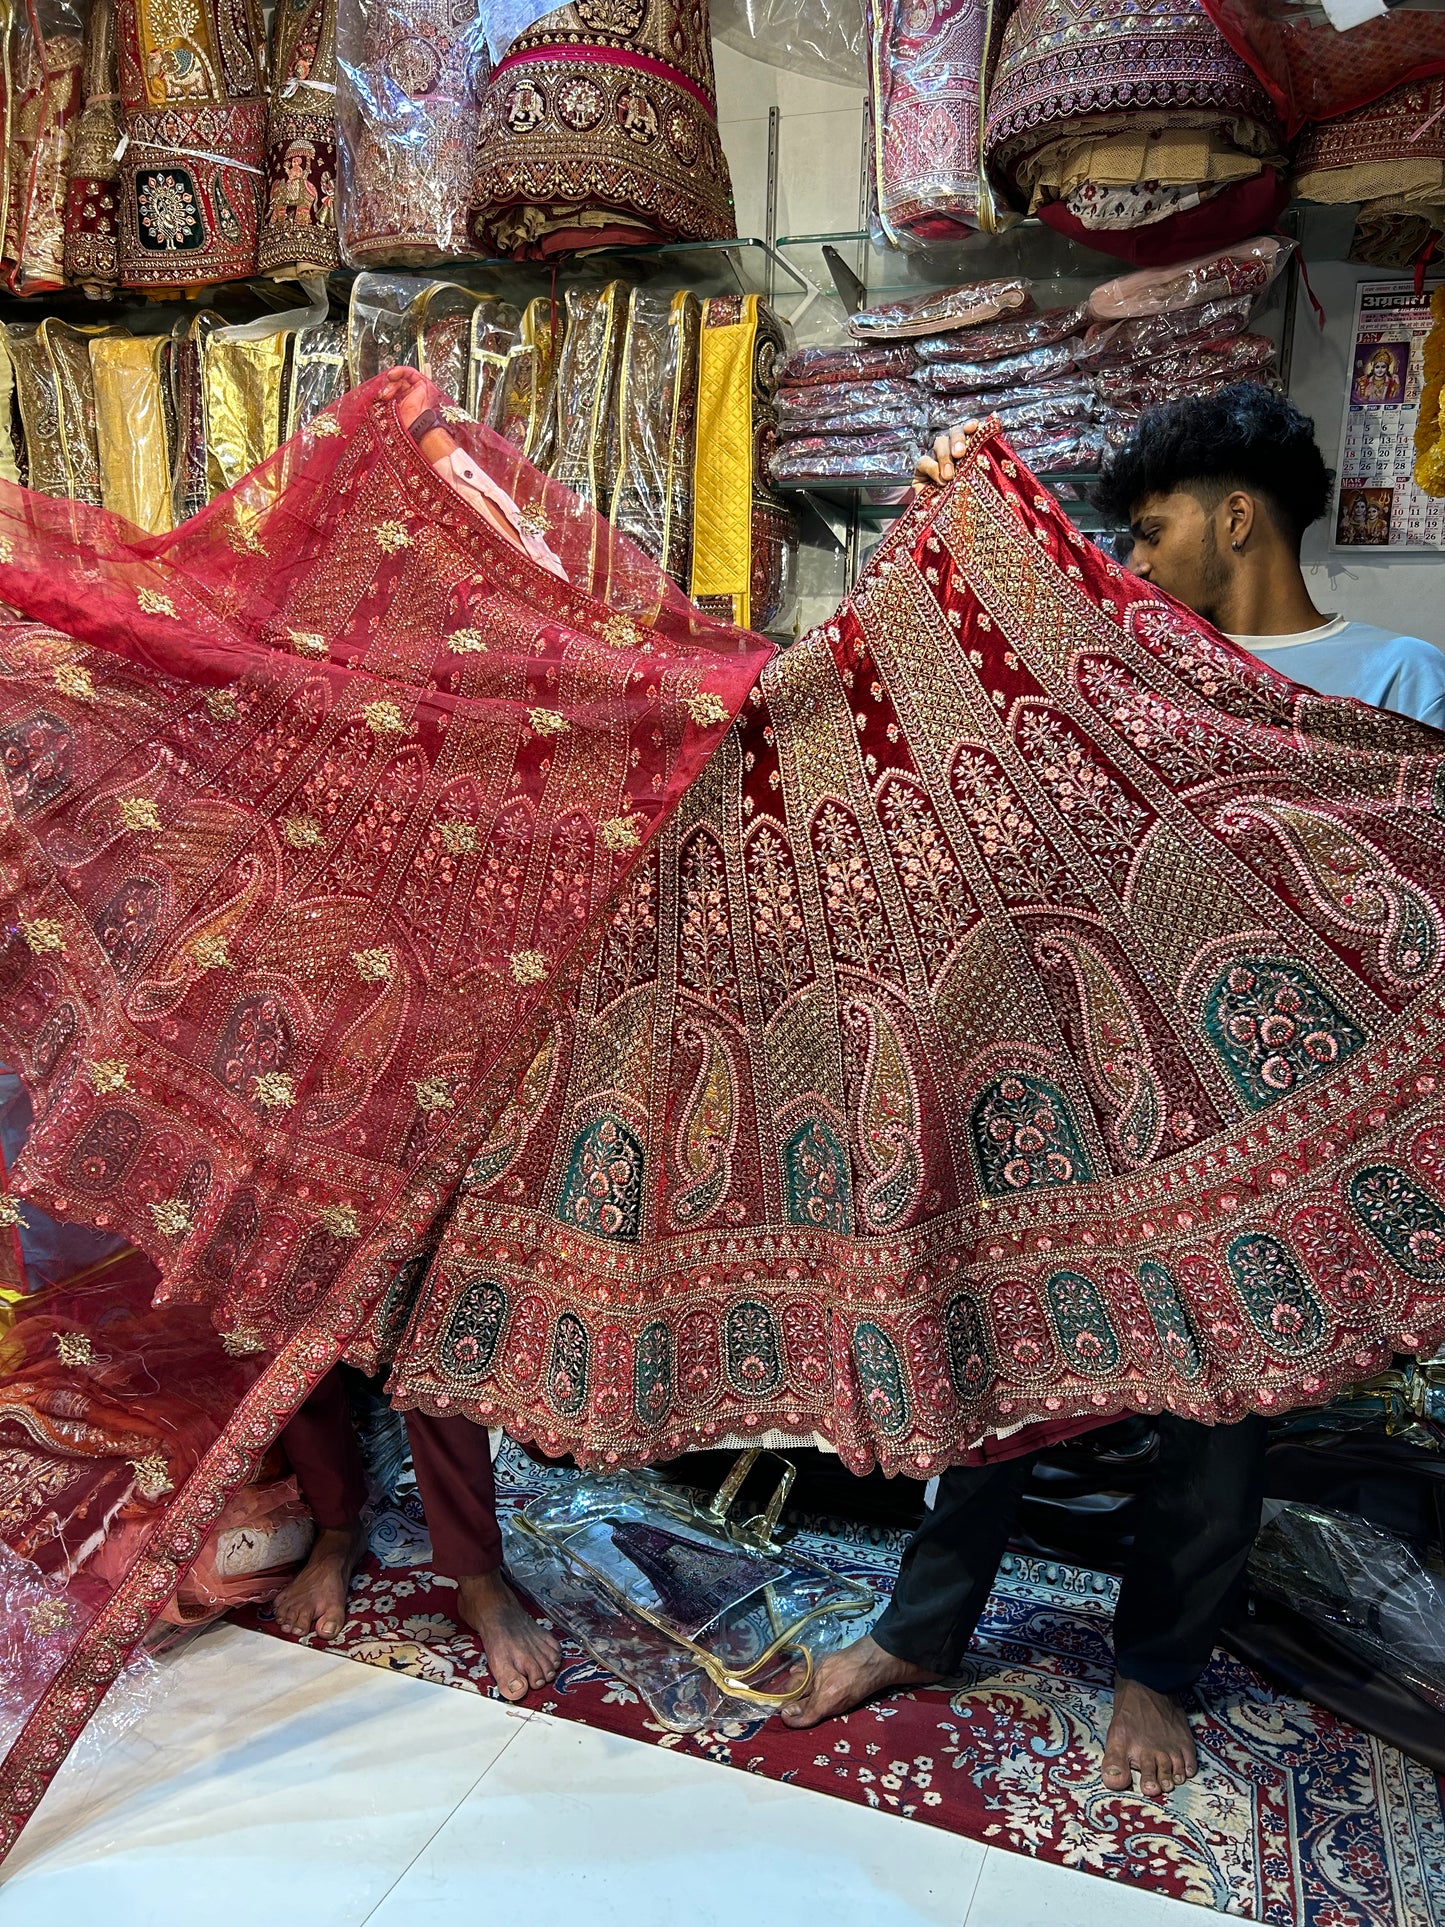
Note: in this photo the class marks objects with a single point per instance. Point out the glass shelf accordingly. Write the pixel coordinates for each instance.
(1062, 270)
(841, 497)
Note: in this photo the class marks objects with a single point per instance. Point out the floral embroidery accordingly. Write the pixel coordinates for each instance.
(706, 709)
(241, 1343)
(211, 953)
(620, 833)
(48, 1616)
(74, 681)
(459, 839)
(307, 642)
(43, 934)
(383, 719)
(325, 425)
(372, 966)
(221, 703)
(434, 1093)
(302, 832)
(152, 1475)
(620, 631)
(528, 966)
(10, 1214)
(341, 1220)
(1274, 1029)
(1025, 1137)
(172, 1217)
(73, 1348)
(109, 1074)
(392, 536)
(274, 1090)
(547, 722)
(467, 642)
(153, 603)
(139, 813)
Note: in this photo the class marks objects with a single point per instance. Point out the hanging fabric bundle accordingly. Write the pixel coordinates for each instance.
(42, 50)
(92, 208)
(192, 80)
(600, 130)
(656, 427)
(926, 71)
(298, 216)
(1133, 128)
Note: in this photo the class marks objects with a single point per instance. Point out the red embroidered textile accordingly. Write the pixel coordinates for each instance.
(925, 80)
(1313, 73)
(1031, 1011)
(309, 802)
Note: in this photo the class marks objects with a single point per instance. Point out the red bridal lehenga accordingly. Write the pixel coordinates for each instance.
(1027, 1010)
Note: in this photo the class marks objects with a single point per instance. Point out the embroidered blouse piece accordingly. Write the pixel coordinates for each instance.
(600, 129)
(192, 79)
(298, 199)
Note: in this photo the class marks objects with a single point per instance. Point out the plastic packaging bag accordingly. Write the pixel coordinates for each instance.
(828, 365)
(1052, 451)
(524, 404)
(996, 340)
(925, 78)
(320, 374)
(705, 1620)
(131, 374)
(827, 408)
(409, 78)
(1013, 371)
(1199, 371)
(942, 310)
(1369, 1587)
(1109, 344)
(1247, 268)
(820, 38)
(883, 456)
(586, 392)
(657, 424)
(496, 325)
(1057, 405)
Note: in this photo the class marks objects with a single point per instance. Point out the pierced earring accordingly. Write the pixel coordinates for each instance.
(1238, 547)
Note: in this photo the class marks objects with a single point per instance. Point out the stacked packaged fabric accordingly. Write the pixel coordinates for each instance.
(1066, 382)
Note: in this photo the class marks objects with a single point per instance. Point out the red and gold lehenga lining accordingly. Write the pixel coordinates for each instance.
(599, 129)
(1028, 1009)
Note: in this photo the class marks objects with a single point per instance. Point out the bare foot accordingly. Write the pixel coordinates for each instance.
(844, 1680)
(520, 1655)
(315, 1601)
(1148, 1735)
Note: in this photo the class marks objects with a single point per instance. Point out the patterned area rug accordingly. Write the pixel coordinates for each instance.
(1296, 1819)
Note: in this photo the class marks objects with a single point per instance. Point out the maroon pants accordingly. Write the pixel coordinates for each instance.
(453, 1462)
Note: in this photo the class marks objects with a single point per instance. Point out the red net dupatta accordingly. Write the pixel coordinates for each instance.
(308, 805)
(1312, 72)
(1033, 1013)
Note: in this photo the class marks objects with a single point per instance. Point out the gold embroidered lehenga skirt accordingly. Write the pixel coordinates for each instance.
(1009, 1006)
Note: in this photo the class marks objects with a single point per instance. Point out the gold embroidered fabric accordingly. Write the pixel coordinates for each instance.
(524, 409)
(56, 399)
(131, 376)
(92, 203)
(42, 54)
(298, 211)
(722, 530)
(586, 455)
(657, 422)
(242, 389)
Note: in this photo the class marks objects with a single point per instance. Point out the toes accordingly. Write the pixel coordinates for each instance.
(1118, 1778)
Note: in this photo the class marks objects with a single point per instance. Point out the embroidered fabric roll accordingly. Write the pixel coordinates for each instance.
(1388, 156)
(191, 76)
(744, 538)
(298, 216)
(657, 423)
(585, 457)
(600, 129)
(842, 365)
(409, 79)
(925, 94)
(1131, 124)
(999, 340)
(496, 328)
(92, 238)
(943, 311)
(524, 405)
(131, 379)
(42, 43)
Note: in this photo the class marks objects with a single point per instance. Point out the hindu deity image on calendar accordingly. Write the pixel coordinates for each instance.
(1364, 517)
(1379, 378)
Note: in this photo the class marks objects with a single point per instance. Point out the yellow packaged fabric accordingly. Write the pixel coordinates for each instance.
(132, 430)
(722, 496)
(242, 388)
(9, 467)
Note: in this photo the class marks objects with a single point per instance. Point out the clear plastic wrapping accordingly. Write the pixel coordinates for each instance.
(704, 1620)
(409, 79)
(1055, 451)
(55, 400)
(1247, 268)
(1199, 371)
(586, 393)
(43, 47)
(885, 455)
(942, 310)
(925, 79)
(399, 320)
(320, 373)
(1055, 405)
(1110, 344)
(997, 340)
(822, 41)
(496, 326)
(821, 409)
(298, 202)
(657, 426)
(1369, 1588)
(829, 365)
(131, 375)
(524, 404)
(1013, 371)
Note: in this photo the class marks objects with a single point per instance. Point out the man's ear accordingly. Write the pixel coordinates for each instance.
(1241, 518)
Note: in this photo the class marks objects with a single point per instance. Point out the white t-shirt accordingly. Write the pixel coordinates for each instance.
(1344, 658)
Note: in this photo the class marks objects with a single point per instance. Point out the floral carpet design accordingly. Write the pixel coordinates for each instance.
(1296, 1818)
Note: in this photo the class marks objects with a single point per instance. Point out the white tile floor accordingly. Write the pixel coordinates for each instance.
(273, 1786)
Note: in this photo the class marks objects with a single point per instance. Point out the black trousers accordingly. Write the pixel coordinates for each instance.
(1184, 1578)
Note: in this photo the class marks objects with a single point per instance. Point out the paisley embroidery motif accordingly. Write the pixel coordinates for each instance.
(886, 1120)
(1280, 1305)
(36, 757)
(1171, 1320)
(1116, 1047)
(881, 1375)
(1274, 1030)
(568, 1367)
(816, 1178)
(1024, 1136)
(1087, 1339)
(968, 1361)
(1352, 883)
(126, 925)
(469, 1343)
(104, 1152)
(707, 1129)
(602, 1191)
(497, 1151)
(652, 1376)
(754, 1357)
(1403, 1219)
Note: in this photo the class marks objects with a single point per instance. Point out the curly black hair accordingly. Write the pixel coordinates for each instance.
(1246, 436)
